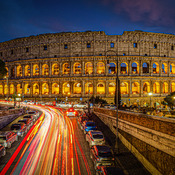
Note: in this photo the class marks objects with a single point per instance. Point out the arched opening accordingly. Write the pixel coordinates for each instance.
(12, 89)
(100, 88)
(172, 68)
(27, 89)
(66, 68)
(19, 89)
(27, 70)
(88, 88)
(172, 87)
(112, 88)
(146, 88)
(155, 68)
(45, 69)
(35, 70)
(77, 68)
(145, 68)
(100, 68)
(7, 75)
(77, 88)
(124, 88)
(19, 71)
(156, 88)
(36, 89)
(165, 87)
(1, 89)
(55, 88)
(55, 69)
(135, 88)
(6, 89)
(45, 89)
(88, 68)
(12, 72)
(124, 68)
(112, 68)
(135, 68)
(164, 68)
(66, 89)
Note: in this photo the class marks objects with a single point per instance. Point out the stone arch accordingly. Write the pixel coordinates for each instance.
(164, 68)
(19, 88)
(55, 88)
(66, 68)
(155, 68)
(100, 68)
(165, 87)
(124, 88)
(66, 88)
(156, 88)
(35, 89)
(35, 70)
(55, 69)
(27, 89)
(88, 68)
(111, 88)
(88, 88)
(77, 68)
(27, 70)
(45, 69)
(135, 67)
(124, 68)
(145, 67)
(77, 88)
(146, 87)
(101, 88)
(19, 71)
(45, 89)
(135, 88)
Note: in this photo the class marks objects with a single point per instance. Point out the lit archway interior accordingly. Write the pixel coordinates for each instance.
(165, 87)
(27, 89)
(35, 69)
(172, 68)
(1, 89)
(27, 70)
(112, 68)
(55, 69)
(88, 88)
(66, 68)
(135, 88)
(172, 87)
(146, 88)
(77, 68)
(5, 89)
(88, 68)
(12, 71)
(66, 89)
(45, 89)
(124, 88)
(55, 88)
(164, 68)
(124, 68)
(77, 88)
(100, 88)
(145, 68)
(100, 68)
(12, 89)
(155, 68)
(112, 88)
(135, 68)
(36, 89)
(19, 71)
(19, 89)
(45, 69)
(156, 88)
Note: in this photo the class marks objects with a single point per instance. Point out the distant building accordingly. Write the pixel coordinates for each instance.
(81, 64)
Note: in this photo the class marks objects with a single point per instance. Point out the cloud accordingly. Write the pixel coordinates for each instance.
(150, 12)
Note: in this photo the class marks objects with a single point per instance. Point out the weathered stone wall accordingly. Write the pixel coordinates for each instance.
(99, 41)
(150, 138)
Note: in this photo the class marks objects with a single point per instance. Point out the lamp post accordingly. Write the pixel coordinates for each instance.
(116, 101)
(150, 94)
(7, 87)
(19, 96)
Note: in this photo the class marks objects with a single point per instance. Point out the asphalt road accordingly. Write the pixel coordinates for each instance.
(54, 145)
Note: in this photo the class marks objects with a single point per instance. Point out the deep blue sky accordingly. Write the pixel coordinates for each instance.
(22, 18)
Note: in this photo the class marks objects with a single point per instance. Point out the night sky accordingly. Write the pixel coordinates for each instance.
(21, 18)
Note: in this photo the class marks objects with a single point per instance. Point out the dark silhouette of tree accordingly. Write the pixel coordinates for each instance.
(170, 99)
(97, 100)
(3, 70)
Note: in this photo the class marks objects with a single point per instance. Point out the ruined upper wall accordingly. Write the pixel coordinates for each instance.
(53, 45)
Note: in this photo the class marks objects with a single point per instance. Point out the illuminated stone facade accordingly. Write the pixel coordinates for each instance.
(81, 64)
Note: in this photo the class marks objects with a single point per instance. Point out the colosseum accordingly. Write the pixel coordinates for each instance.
(77, 65)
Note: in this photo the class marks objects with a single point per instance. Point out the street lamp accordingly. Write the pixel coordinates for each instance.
(7, 87)
(19, 95)
(150, 94)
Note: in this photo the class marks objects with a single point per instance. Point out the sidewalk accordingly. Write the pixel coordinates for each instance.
(125, 160)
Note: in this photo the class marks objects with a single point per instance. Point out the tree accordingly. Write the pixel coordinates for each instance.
(97, 100)
(3, 70)
(170, 99)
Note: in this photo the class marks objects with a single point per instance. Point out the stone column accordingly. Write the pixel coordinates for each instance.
(60, 88)
(168, 69)
(71, 68)
(130, 88)
(106, 89)
(31, 70)
(140, 68)
(141, 88)
(40, 88)
(82, 88)
(23, 70)
(106, 68)
(50, 88)
(40, 69)
(60, 69)
(15, 72)
(169, 86)
(82, 68)
(50, 69)
(160, 68)
(31, 89)
(129, 67)
(95, 67)
(150, 68)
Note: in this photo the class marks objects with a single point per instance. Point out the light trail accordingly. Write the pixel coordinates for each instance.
(50, 147)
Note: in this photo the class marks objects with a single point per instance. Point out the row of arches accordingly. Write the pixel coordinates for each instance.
(89, 69)
(76, 88)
